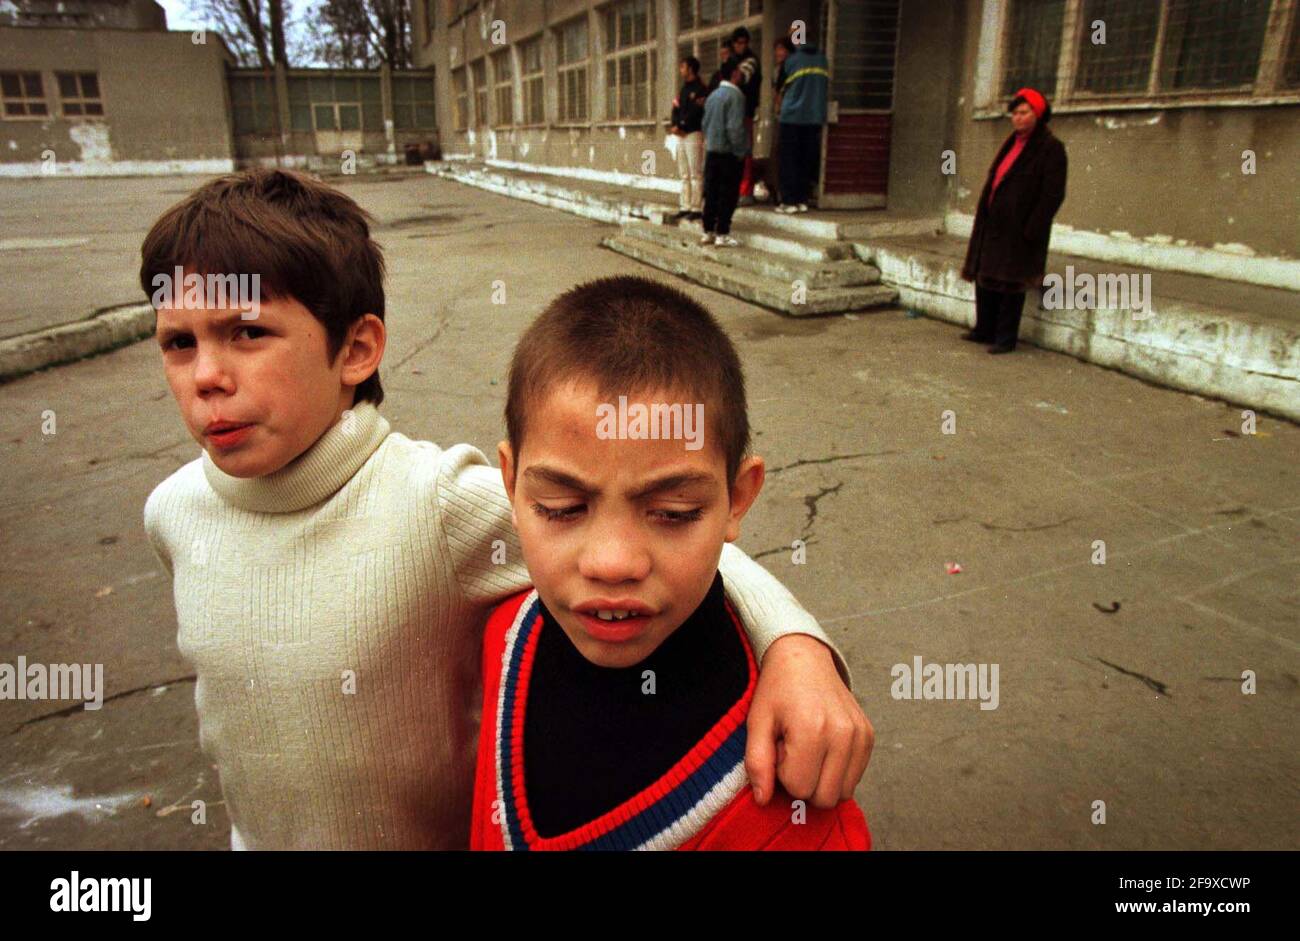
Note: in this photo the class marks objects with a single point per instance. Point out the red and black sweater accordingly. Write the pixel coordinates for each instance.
(576, 756)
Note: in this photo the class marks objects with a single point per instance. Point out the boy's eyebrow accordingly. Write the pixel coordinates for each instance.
(558, 477)
(670, 481)
(166, 333)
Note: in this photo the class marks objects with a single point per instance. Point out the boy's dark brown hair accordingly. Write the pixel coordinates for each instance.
(631, 335)
(305, 239)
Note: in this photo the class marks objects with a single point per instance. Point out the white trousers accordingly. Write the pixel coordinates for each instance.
(690, 168)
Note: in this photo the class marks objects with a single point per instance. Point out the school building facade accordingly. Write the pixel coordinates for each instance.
(1181, 117)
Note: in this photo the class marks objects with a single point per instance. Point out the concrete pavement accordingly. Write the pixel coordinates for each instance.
(1119, 682)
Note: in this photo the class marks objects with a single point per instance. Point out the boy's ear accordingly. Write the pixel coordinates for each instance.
(506, 458)
(363, 350)
(744, 491)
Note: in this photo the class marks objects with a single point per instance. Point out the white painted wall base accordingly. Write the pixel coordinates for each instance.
(1180, 345)
(613, 177)
(1227, 262)
(116, 168)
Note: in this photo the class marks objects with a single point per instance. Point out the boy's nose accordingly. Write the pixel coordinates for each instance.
(615, 554)
(210, 371)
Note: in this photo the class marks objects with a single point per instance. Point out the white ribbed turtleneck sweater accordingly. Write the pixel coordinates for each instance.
(333, 613)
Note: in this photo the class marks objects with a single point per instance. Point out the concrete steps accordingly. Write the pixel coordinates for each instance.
(765, 278)
(789, 265)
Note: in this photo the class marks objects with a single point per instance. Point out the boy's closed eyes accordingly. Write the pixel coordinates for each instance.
(621, 537)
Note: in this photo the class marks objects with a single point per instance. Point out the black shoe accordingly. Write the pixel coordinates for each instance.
(995, 349)
(974, 337)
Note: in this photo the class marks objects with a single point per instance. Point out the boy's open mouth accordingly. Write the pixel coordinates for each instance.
(614, 621)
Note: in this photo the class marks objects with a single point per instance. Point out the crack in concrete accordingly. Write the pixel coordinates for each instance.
(81, 706)
(811, 504)
(806, 542)
(1158, 686)
(1028, 529)
(803, 462)
(422, 345)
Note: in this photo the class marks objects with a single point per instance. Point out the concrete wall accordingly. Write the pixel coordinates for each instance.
(164, 99)
(1164, 175)
(925, 84)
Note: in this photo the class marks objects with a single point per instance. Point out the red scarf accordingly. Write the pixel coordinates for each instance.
(1006, 163)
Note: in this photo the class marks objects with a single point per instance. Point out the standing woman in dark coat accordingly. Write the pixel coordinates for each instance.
(1007, 254)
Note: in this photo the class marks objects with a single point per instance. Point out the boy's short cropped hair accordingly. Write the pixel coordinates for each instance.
(304, 238)
(631, 335)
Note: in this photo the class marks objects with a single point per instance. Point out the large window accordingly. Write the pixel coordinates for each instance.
(1099, 51)
(413, 102)
(630, 63)
(503, 86)
(571, 47)
(1033, 46)
(460, 98)
(326, 102)
(478, 72)
(704, 25)
(23, 95)
(79, 93)
(252, 109)
(534, 81)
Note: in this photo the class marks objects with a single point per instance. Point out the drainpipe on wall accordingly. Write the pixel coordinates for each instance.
(386, 93)
(281, 111)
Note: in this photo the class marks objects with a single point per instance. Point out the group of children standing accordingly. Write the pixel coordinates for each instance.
(714, 125)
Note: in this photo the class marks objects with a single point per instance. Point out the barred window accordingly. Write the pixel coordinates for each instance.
(1033, 45)
(503, 79)
(1213, 43)
(460, 98)
(692, 14)
(1148, 49)
(534, 80)
(1123, 62)
(630, 62)
(23, 95)
(79, 92)
(572, 71)
(863, 77)
(478, 72)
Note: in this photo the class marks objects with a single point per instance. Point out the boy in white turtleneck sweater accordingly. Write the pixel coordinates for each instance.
(332, 577)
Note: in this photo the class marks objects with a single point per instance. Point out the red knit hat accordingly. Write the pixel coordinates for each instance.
(1032, 98)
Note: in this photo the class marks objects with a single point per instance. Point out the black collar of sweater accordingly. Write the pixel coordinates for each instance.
(593, 736)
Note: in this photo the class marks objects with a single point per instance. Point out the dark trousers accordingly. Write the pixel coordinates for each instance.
(997, 316)
(721, 190)
(800, 152)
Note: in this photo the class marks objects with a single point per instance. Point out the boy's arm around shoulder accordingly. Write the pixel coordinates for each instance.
(477, 536)
(805, 727)
(767, 608)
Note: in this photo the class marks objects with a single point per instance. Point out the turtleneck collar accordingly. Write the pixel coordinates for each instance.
(317, 473)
